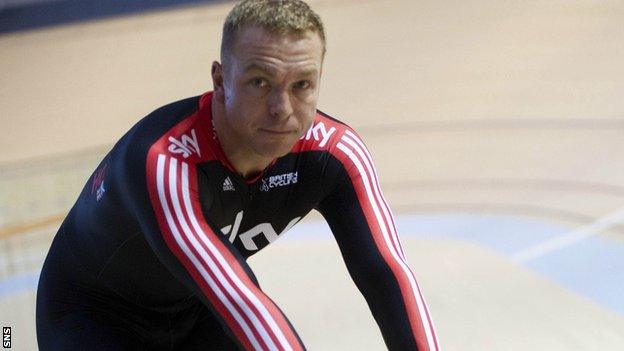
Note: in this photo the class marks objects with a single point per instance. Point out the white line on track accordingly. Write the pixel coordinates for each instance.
(610, 220)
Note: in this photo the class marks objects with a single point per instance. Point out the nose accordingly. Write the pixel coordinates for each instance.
(280, 106)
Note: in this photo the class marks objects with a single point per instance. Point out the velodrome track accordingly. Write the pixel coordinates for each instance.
(497, 128)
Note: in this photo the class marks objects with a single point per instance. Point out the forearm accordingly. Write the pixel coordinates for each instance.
(397, 304)
(199, 256)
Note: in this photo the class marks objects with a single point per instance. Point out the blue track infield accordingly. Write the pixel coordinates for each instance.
(593, 268)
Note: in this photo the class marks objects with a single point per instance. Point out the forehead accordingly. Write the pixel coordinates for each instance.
(256, 46)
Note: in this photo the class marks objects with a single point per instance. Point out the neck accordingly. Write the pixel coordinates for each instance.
(247, 163)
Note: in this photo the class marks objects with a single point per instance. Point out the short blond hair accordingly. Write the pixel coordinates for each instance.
(279, 17)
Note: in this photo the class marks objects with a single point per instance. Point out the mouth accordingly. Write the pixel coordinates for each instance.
(276, 132)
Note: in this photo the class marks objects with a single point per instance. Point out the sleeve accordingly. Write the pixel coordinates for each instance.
(364, 228)
(167, 206)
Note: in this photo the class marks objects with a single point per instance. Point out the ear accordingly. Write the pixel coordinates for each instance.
(217, 81)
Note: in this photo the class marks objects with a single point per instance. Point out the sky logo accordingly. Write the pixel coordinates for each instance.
(185, 146)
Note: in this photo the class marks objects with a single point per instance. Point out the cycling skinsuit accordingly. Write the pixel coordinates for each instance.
(153, 253)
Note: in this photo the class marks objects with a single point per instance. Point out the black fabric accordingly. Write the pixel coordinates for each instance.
(76, 311)
(111, 278)
(369, 271)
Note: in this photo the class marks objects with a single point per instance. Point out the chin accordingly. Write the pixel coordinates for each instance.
(275, 150)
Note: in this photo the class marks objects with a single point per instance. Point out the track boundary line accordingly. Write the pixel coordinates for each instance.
(570, 238)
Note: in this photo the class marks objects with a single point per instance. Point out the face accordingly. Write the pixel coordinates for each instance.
(269, 90)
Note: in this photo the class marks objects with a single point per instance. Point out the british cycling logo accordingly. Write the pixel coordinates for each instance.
(320, 133)
(185, 146)
(97, 186)
(279, 180)
(266, 229)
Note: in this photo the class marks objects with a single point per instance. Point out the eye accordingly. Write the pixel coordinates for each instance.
(258, 82)
(302, 84)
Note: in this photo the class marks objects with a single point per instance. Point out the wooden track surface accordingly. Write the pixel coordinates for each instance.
(482, 106)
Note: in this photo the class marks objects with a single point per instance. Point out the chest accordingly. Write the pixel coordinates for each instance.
(253, 215)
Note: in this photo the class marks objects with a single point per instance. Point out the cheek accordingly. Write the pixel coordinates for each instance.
(245, 117)
(229, 100)
(309, 110)
(236, 106)
(305, 117)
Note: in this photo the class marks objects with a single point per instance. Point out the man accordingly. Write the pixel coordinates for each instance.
(152, 255)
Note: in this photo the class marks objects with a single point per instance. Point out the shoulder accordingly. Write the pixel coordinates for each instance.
(129, 153)
(181, 129)
(334, 136)
(169, 130)
(153, 126)
(161, 121)
(177, 109)
(340, 150)
(325, 133)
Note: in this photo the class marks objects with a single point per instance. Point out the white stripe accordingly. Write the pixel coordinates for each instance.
(216, 268)
(176, 234)
(433, 328)
(614, 218)
(383, 202)
(360, 148)
(227, 268)
(419, 302)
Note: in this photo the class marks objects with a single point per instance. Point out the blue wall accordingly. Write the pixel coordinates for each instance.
(44, 14)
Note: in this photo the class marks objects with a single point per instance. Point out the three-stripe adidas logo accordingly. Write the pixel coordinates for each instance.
(228, 185)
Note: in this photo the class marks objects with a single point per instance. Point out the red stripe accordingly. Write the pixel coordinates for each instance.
(393, 232)
(237, 268)
(210, 235)
(433, 333)
(177, 250)
(379, 194)
(201, 125)
(375, 189)
(404, 284)
(277, 315)
(231, 299)
(393, 229)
